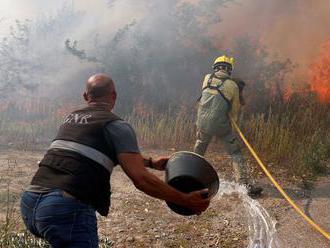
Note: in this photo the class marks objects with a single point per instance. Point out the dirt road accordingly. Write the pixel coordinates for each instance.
(136, 220)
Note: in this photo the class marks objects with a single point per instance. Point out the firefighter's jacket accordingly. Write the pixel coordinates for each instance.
(216, 104)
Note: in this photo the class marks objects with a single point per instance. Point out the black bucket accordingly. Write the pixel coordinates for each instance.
(187, 172)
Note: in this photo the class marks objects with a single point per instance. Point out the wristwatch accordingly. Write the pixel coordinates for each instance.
(148, 163)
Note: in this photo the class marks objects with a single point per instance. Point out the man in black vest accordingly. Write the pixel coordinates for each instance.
(73, 178)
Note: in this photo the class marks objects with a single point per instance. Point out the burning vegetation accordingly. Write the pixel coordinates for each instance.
(320, 74)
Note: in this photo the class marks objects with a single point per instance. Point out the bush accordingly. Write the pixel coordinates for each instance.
(295, 136)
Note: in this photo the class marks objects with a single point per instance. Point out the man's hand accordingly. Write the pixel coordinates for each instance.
(198, 201)
(159, 163)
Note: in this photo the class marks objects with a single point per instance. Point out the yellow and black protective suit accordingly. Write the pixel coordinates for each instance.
(220, 98)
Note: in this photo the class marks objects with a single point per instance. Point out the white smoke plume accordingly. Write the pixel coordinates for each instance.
(148, 46)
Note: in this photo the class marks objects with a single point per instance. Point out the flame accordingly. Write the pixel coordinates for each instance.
(320, 74)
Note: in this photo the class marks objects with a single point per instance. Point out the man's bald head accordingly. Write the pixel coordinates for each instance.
(100, 88)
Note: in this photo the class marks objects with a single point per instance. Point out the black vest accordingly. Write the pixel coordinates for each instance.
(73, 172)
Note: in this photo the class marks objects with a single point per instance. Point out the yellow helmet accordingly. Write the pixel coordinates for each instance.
(224, 59)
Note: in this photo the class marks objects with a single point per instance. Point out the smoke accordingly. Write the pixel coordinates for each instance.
(289, 29)
(157, 51)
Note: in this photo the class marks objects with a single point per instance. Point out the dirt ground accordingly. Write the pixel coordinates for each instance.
(136, 220)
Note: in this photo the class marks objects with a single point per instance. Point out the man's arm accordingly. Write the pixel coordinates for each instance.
(122, 137)
(233, 96)
(150, 184)
(158, 164)
(235, 106)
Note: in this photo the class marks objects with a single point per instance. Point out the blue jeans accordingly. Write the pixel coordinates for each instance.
(63, 221)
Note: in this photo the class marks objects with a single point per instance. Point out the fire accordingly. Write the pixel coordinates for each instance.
(320, 74)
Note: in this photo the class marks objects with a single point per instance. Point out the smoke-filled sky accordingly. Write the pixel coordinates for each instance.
(294, 28)
(97, 14)
(32, 8)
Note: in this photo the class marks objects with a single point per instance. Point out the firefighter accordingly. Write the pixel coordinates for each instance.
(221, 97)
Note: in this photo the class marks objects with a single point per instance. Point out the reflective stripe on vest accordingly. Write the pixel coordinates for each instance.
(86, 151)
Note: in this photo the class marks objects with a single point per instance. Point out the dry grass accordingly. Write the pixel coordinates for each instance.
(164, 130)
(294, 136)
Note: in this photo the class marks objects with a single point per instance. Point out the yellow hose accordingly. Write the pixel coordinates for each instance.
(279, 188)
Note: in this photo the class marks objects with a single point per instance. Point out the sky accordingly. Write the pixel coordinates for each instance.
(97, 12)
(292, 28)
(30, 8)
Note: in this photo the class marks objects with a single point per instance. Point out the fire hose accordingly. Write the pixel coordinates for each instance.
(279, 188)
